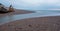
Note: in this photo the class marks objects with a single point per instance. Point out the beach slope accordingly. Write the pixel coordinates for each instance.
(51, 23)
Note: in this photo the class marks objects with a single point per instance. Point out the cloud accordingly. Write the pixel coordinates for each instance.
(37, 2)
(34, 4)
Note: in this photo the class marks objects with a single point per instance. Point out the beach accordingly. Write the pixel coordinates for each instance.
(29, 15)
(49, 23)
(16, 12)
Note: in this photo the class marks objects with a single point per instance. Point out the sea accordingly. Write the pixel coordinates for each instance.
(38, 13)
(45, 13)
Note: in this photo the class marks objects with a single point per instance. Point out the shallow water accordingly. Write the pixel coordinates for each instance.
(41, 13)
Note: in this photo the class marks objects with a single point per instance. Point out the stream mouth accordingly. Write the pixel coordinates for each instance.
(6, 19)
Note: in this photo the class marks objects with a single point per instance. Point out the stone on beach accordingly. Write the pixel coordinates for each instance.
(4, 10)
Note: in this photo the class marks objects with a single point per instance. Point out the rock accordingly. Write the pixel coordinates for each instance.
(2, 9)
(1, 5)
(11, 9)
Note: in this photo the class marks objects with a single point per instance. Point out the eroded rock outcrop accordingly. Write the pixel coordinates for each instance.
(4, 10)
(11, 9)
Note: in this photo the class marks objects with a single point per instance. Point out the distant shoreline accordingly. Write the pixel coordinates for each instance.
(17, 11)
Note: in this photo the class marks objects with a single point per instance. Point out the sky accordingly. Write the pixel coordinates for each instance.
(33, 4)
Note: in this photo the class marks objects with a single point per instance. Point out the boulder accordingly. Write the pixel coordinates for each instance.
(3, 9)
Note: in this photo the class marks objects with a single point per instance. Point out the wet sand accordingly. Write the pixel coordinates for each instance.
(51, 23)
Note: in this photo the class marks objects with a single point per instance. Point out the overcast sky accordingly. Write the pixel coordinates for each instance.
(33, 4)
